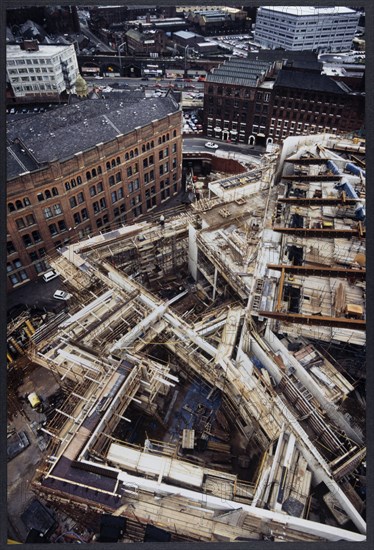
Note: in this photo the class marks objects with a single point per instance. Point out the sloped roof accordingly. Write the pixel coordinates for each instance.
(62, 132)
(308, 81)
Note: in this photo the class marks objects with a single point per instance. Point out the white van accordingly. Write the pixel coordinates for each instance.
(49, 275)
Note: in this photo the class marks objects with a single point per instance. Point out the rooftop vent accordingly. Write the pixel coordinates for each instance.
(30, 45)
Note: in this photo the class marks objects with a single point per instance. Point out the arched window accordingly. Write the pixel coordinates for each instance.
(79, 180)
(99, 171)
(73, 183)
(54, 191)
(88, 175)
(26, 201)
(143, 148)
(118, 160)
(48, 194)
(136, 151)
(152, 143)
(67, 186)
(148, 146)
(167, 136)
(108, 165)
(174, 133)
(40, 197)
(131, 154)
(159, 141)
(127, 155)
(94, 172)
(163, 139)
(11, 207)
(19, 205)
(113, 163)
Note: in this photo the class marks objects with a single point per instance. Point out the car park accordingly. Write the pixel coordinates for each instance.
(61, 295)
(211, 145)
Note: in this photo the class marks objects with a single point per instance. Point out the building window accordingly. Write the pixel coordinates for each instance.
(84, 214)
(20, 223)
(53, 229)
(118, 177)
(100, 187)
(10, 247)
(27, 240)
(92, 191)
(137, 211)
(72, 202)
(57, 209)
(80, 198)
(111, 180)
(77, 218)
(14, 279)
(103, 202)
(62, 225)
(36, 236)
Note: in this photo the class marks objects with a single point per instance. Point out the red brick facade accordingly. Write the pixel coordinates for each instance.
(96, 190)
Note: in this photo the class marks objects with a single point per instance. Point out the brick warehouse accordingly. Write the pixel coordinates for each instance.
(268, 99)
(85, 168)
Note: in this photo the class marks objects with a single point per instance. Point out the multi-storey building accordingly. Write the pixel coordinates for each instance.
(320, 29)
(311, 103)
(217, 20)
(85, 168)
(229, 98)
(35, 70)
(145, 42)
(258, 101)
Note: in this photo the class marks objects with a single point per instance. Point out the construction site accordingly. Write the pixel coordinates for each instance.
(201, 362)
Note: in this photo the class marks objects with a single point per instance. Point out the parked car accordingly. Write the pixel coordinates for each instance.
(61, 295)
(49, 275)
(211, 145)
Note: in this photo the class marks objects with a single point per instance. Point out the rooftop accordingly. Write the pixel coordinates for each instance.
(14, 51)
(243, 72)
(63, 132)
(309, 10)
(309, 81)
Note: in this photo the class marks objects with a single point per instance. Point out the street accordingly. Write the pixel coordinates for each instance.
(179, 83)
(232, 150)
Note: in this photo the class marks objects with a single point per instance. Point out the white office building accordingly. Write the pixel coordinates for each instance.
(36, 70)
(306, 28)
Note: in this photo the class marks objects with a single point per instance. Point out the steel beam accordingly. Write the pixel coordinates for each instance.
(323, 233)
(314, 177)
(341, 322)
(320, 271)
(317, 201)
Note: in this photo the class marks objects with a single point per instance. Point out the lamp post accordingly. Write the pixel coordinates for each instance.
(119, 55)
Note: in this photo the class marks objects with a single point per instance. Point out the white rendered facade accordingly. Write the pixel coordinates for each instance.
(49, 70)
(306, 28)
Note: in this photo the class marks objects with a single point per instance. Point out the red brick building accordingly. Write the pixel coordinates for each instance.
(262, 100)
(85, 168)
